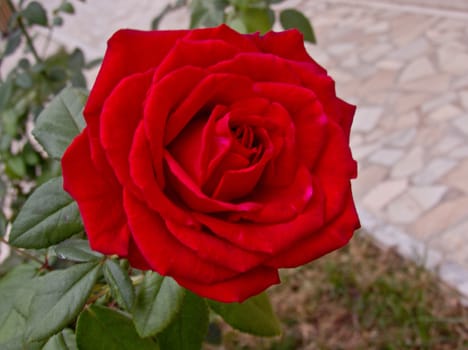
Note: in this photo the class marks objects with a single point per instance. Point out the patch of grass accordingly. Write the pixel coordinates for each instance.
(362, 297)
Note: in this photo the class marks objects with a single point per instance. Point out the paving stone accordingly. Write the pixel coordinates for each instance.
(437, 220)
(380, 27)
(420, 68)
(451, 241)
(362, 151)
(459, 153)
(350, 61)
(460, 82)
(409, 164)
(447, 144)
(389, 64)
(407, 120)
(386, 156)
(382, 80)
(368, 178)
(341, 48)
(427, 197)
(367, 118)
(402, 138)
(458, 178)
(384, 193)
(452, 62)
(434, 170)
(464, 98)
(438, 101)
(438, 83)
(411, 50)
(445, 112)
(376, 52)
(408, 101)
(462, 124)
(403, 210)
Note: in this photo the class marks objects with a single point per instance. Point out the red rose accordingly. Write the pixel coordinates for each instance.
(213, 157)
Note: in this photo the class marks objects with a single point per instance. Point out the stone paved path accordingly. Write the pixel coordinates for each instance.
(407, 70)
(406, 67)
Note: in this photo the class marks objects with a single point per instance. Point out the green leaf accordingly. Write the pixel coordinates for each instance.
(15, 167)
(16, 296)
(61, 121)
(157, 303)
(189, 328)
(6, 90)
(254, 316)
(48, 217)
(121, 286)
(76, 250)
(35, 14)
(2, 224)
(207, 13)
(257, 19)
(57, 21)
(65, 340)
(13, 42)
(67, 7)
(59, 297)
(101, 328)
(291, 18)
(24, 80)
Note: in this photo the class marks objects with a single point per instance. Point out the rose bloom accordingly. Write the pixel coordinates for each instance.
(213, 157)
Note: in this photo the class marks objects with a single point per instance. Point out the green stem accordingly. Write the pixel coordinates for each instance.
(22, 27)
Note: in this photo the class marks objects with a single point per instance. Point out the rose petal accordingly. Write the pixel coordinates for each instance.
(258, 67)
(196, 145)
(202, 54)
(143, 175)
(119, 119)
(215, 88)
(194, 197)
(144, 49)
(236, 289)
(163, 252)
(211, 248)
(333, 236)
(269, 238)
(99, 199)
(281, 204)
(334, 170)
(282, 168)
(237, 183)
(227, 34)
(135, 257)
(163, 97)
(288, 44)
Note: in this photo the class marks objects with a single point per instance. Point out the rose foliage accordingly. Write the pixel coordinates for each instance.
(203, 160)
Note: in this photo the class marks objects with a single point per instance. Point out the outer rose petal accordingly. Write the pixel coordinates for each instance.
(236, 289)
(333, 236)
(288, 44)
(99, 199)
(119, 119)
(145, 50)
(121, 48)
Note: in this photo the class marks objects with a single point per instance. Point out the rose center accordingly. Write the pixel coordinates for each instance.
(246, 143)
